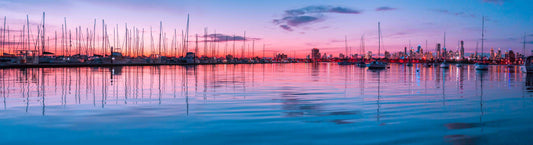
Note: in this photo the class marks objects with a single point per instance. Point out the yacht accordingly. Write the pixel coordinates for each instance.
(482, 65)
(376, 65)
(345, 62)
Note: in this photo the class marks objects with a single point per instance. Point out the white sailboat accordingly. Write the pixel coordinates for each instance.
(377, 64)
(481, 65)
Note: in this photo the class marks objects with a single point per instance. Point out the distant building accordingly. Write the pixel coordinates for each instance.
(444, 53)
(511, 57)
(387, 55)
(438, 51)
(281, 56)
(315, 54)
(341, 56)
(462, 51)
(492, 54)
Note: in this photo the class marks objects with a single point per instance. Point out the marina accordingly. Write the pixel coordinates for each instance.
(134, 72)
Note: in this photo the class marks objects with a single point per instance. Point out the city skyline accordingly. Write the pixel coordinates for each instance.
(295, 27)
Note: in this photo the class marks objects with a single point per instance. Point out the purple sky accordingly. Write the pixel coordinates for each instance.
(296, 26)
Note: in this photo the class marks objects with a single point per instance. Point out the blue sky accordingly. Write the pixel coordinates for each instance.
(299, 25)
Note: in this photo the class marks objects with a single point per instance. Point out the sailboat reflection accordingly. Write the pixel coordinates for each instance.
(462, 138)
(378, 116)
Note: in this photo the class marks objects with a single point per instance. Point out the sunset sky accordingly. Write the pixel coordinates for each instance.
(296, 25)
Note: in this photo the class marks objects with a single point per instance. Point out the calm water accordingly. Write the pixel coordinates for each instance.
(266, 104)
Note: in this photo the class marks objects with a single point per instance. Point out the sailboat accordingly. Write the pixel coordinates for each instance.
(377, 64)
(481, 65)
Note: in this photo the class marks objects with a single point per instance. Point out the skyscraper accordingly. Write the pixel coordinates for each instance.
(315, 54)
(492, 53)
(462, 51)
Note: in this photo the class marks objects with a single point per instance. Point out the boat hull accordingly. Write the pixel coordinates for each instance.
(376, 66)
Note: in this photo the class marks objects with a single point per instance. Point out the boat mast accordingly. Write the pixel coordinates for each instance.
(62, 40)
(55, 39)
(244, 45)
(205, 41)
(126, 39)
(70, 41)
(174, 37)
(4, 36)
(233, 45)
(379, 39)
(253, 48)
(94, 37)
(142, 43)
(103, 38)
(196, 47)
(477, 46)
(43, 36)
(151, 41)
(160, 31)
(187, 36)
(28, 30)
(346, 46)
(87, 41)
(482, 35)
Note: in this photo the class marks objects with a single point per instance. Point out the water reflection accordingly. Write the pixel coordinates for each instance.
(461, 105)
(529, 83)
